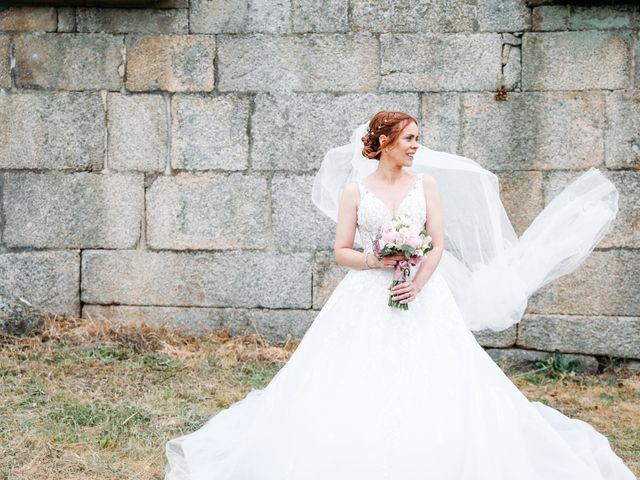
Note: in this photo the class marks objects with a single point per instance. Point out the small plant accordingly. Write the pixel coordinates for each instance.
(535, 378)
(118, 422)
(557, 366)
(255, 374)
(156, 361)
(609, 363)
(608, 399)
(107, 353)
(75, 414)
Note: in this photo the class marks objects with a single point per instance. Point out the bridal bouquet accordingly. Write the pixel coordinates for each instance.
(401, 236)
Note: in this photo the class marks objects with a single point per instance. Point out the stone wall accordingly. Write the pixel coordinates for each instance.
(156, 164)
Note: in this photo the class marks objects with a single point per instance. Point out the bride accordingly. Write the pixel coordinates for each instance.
(376, 392)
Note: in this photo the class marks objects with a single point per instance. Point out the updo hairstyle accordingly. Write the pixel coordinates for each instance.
(384, 123)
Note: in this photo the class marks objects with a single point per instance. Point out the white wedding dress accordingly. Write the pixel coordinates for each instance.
(374, 392)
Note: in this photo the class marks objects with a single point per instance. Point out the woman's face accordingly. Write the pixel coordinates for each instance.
(402, 152)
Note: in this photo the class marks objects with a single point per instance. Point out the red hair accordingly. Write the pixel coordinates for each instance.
(386, 123)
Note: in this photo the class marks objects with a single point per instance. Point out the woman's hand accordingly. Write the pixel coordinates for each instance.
(389, 261)
(405, 292)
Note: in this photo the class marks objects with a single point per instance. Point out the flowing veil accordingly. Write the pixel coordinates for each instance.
(490, 271)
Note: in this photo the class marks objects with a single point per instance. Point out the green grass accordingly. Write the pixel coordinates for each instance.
(96, 404)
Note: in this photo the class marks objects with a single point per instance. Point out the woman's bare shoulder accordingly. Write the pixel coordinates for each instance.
(351, 188)
(351, 192)
(429, 181)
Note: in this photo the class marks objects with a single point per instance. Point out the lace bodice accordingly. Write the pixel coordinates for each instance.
(373, 212)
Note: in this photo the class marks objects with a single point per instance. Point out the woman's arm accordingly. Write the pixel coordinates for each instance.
(434, 228)
(346, 233)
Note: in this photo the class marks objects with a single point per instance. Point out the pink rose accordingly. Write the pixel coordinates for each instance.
(389, 234)
(415, 241)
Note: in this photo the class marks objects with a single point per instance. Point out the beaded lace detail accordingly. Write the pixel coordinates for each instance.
(373, 212)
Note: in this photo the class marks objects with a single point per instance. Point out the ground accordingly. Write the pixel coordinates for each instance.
(93, 400)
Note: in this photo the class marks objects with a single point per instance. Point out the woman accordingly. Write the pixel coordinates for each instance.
(396, 191)
(377, 392)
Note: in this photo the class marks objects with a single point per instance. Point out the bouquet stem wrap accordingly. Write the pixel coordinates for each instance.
(400, 275)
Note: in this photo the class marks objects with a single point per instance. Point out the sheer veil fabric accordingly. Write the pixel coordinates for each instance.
(490, 271)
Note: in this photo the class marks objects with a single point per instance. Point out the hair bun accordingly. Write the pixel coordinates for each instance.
(371, 146)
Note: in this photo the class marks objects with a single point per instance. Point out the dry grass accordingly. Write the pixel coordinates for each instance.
(610, 402)
(87, 399)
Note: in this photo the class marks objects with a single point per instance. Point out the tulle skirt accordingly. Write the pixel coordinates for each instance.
(373, 392)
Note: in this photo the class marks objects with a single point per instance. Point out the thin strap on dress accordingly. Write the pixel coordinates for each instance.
(418, 182)
(420, 179)
(419, 175)
(361, 188)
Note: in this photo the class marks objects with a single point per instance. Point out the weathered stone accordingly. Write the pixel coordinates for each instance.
(514, 360)
(578, 17)
(128, 20)
(209, 132)
(522, 196)
(18, 316)
(297, 222)
(208, 279)
(626, 227)
(320, 16)
(229, 16)
(191, 320)
(280, 142)
(66, 19)
(416, 16)
(186, 212)
(28, 19)
(5, 61)
(503, 338)
(576, 60)
(511, 66)
(511, 39)
(311, 62)
(50, 281)
(424, 62)
(440, 129)
(327, 274)
(79, 210)
(533, 130)
(606, 283)
(51, 130)
(622, 137)
(171, 3)
(69, 61)
(633, 365)
(280, 326)
(501, 16)
(601, 17)
(550, 17)
(138, 132)
(616, 336)
(174, 63)
(636, 82)
(277, 326)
